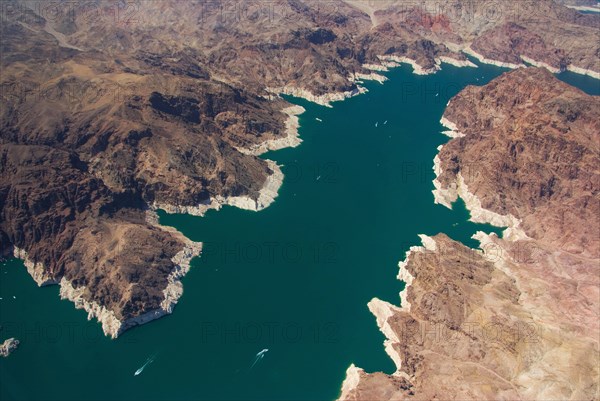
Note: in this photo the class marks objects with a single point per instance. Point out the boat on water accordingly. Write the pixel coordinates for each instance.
(259, 357)
(141, 369)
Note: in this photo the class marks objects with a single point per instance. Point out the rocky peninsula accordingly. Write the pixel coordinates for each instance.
(516, 318)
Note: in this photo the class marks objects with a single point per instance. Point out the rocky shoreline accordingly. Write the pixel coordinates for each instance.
(291, 140)
(8, 347)
(584, 8)
(394, 61)
(391, 61)
(440, 336)
(265, 198)
(111, 325)
(468, 50)
(583, 71)
(36, 270)
(578, 70)
(452, 131)
(323, 100)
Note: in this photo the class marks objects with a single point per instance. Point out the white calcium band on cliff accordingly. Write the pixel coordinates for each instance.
(35, 269)
(468, 50)
(290, 140)
(393, 61)
(323, 100)
(458, 188)
(404, 275)
(383, 311)
(359, 77)
(111, 325)
(572, 68)
(266, 197)
(453, 131)
(455, 62)
(584, 8)
(583, 71)
(351, 381)
(540, 64)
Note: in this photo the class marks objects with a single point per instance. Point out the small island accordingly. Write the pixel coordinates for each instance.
(8, 346)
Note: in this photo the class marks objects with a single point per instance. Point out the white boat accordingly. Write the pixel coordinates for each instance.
(259, 357)
(148, 362)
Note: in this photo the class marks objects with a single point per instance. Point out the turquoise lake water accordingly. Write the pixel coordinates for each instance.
(295, 278)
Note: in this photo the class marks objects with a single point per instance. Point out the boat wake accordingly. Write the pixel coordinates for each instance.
(148, 362)
(259, 357)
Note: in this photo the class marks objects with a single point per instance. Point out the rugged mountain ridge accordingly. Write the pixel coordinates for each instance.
(517, 318)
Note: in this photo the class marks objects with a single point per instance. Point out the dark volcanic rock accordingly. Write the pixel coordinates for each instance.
(186, 108)
(321, 36)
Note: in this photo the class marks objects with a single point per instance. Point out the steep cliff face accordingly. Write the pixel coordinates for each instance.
(517, 318)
